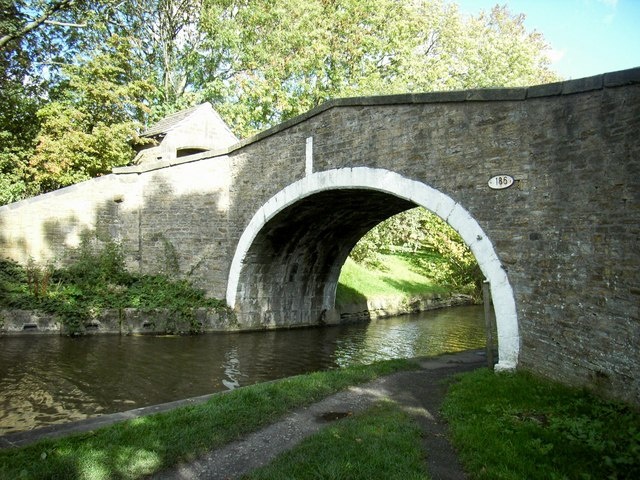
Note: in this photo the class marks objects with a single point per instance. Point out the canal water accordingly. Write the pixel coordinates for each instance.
(46, 380)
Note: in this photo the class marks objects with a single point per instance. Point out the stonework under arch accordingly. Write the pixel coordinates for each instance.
(420, 194)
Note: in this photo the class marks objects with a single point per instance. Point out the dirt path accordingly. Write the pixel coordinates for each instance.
(419, 392)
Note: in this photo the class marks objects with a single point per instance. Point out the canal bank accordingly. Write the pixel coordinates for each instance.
(378, 307)
(52, 379)
(419, 392)
(135, 321)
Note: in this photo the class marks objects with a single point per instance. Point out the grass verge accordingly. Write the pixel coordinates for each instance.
(140, 447)
(383, 442)
(398, 278)
(80, 292)
(515, 426)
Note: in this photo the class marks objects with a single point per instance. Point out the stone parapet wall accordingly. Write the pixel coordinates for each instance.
(49, 227)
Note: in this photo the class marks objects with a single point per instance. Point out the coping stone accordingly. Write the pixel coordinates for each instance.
(545, 90)
(582, 85)
(622, 77)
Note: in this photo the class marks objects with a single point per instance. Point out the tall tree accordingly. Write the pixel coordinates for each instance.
(36, 38)
(28, 16)
(263, 64)
(165, 36)
(86, 129)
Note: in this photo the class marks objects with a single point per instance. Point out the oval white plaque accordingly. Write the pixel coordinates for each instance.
(500, 181)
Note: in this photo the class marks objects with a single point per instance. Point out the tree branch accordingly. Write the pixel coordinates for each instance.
(54, 8)
(65, 24)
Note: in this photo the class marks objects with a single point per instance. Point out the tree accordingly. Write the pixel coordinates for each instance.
(29, 17)
(86, 129)
(262, 65)
(36, 37)
(165, 36)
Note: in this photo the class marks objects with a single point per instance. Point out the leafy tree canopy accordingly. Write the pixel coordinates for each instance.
(263, 65)
(80, 76)
(86, 128)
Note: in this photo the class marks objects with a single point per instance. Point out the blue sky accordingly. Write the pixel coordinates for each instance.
(587, 37)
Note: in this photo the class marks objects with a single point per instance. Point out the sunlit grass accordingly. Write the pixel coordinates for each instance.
(381, 443)
(140, 447)
(397, 278)
(515, 426)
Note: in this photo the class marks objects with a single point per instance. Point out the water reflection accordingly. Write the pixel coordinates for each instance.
(232, 369)
(46, 380)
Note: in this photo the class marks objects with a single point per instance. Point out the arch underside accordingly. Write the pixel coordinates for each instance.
(287, 263)
(294, 262)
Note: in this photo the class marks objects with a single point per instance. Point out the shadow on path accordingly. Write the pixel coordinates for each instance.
(419, 392)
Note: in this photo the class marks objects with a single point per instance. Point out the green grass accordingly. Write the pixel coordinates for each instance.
(399, 277)
(81, 291)
(383, 442)
(140, 447)
(505, 426)
(515, 426)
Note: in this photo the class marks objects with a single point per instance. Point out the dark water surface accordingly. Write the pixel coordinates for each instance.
(51, 379)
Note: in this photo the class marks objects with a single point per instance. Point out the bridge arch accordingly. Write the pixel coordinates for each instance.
(389, 193)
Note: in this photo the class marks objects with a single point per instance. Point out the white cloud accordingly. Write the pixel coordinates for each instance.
(554, 55)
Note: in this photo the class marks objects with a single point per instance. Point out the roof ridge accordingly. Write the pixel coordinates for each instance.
(170, 121)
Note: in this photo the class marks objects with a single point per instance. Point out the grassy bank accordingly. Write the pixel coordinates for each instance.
(382, 443)
(145, 445)
(505, 426)
(97, 281)
(395, 276)
(515, 426)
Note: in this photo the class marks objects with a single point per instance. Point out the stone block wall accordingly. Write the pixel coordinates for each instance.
(183, 223)
(49, 227)
(566, 232)
(167, 220)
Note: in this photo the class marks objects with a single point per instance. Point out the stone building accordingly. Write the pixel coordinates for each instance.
(187, 132)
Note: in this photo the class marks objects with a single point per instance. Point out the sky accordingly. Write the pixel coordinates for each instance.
(587, 37)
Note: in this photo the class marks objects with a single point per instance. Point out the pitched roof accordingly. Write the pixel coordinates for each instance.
(170, 121)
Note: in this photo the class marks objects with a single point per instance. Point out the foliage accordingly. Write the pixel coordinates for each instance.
(514, 426)
(85, 129)
(98, 280)
(46, 20)
(18, 104)
(429, 243)
(38, 278)
(13, 160)
(95, 70)
(13, 281)
(383, 442)
(137, 448)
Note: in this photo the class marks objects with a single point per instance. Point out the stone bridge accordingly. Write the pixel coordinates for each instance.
(268, 222)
